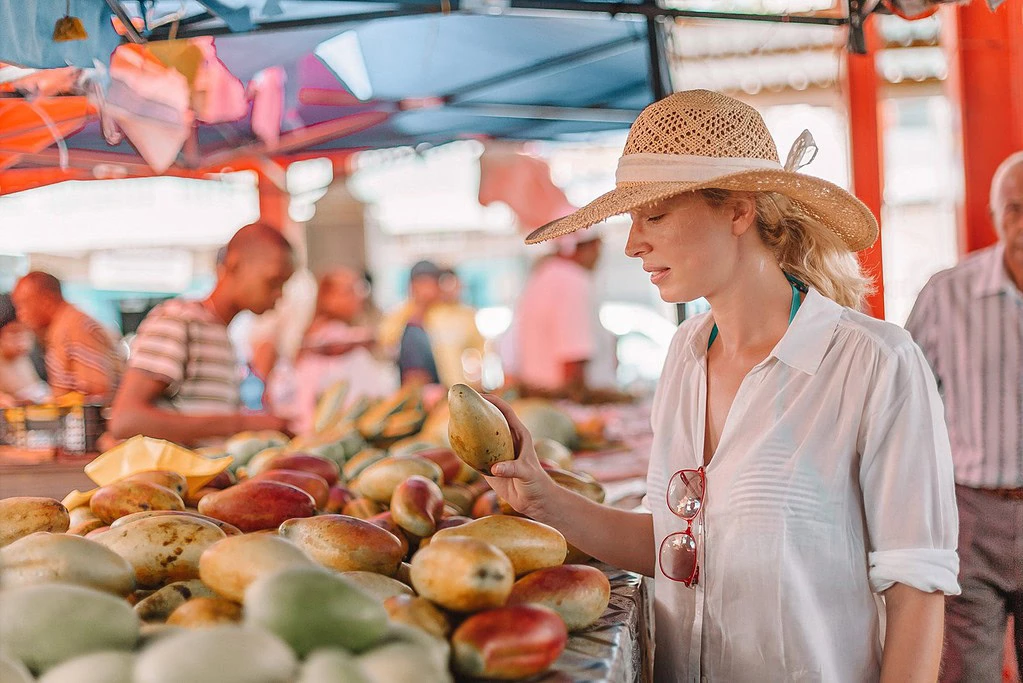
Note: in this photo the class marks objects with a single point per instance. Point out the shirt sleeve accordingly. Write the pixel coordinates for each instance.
(907, 480)
(572, 335)
(161, 348)
(923, 328)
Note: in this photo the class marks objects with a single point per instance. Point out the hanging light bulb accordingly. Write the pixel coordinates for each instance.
(68, 28)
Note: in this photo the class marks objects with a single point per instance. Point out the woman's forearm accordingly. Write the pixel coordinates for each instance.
(914, 631)
(620, 538)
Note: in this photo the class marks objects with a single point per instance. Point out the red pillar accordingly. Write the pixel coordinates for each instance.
(985, 85)
(273, 204)
(867, 153)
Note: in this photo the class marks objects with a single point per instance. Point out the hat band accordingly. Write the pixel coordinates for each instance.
(685, 168)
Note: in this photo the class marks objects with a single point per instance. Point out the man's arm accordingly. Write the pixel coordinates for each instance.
(924, 327)
(135, 412)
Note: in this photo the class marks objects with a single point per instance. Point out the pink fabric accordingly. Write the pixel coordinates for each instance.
(150, 103)
(218, 95)
(267, 90)
(524, 183)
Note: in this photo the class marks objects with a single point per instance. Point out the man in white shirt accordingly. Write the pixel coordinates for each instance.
(560, 346)
(969, 322)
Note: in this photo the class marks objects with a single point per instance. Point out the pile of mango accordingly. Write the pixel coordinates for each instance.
(376, 566)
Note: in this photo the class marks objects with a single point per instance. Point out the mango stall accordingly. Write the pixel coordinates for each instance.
(369, 551)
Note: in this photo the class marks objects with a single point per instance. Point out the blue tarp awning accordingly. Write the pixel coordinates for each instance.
(369, 74)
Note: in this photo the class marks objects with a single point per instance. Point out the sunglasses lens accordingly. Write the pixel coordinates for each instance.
(678, 557)
(685, 493)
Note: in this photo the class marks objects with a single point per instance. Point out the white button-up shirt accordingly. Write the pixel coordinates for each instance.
(832, 481)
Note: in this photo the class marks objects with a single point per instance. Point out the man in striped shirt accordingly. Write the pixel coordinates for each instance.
(969, 322)
(183, 382)
(80, 355)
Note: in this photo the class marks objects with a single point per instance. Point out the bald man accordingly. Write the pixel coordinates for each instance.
(80, 353)
(183, 382)
(969, 323)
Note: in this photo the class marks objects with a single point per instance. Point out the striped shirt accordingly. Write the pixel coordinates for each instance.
(80, 355)
(185, 345)
(969, 322)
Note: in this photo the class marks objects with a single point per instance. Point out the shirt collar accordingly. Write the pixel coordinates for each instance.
(994, 279)
(809, 336)
(805, 341)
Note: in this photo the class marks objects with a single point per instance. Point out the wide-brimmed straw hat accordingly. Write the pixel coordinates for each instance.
(698, 139)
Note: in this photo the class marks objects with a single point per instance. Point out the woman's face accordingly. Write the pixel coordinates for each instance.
(346, 298)
(688, 246)
(15, 340)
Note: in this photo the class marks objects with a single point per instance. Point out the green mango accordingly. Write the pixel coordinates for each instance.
(98, 667)
(244, 445)
(545, 421)
(310, 608)
(221, 654)
(339, 450)
(360, 461)
(13, 671)
(438, 649)
(403, 661)
(46, 624)
(330, 665)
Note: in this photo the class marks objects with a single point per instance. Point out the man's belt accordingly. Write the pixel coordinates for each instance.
(1008, 494)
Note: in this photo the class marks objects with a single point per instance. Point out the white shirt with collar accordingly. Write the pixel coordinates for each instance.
(969, 322)
(832, 481)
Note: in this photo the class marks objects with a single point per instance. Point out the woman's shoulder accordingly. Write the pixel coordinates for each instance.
(689, 330)
(859, 333)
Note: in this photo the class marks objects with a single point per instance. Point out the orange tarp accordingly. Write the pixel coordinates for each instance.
(27, 127)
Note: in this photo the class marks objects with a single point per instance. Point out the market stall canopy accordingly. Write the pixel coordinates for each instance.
(355, 75)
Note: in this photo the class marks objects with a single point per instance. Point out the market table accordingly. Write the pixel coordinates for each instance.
(27, 473)
(617, 649)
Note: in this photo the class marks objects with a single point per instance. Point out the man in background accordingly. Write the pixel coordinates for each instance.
(80, 354)
(457, 343)
(183, 380)
(404, 332)
(969, 323)
(561, 349)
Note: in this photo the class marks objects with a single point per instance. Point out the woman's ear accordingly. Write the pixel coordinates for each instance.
(743, 212)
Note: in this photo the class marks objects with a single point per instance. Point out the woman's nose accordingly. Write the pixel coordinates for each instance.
(635, 246)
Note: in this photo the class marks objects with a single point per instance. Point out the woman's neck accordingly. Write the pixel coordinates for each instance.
(752, 309)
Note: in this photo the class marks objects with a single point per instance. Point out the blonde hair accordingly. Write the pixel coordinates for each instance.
(805, 248)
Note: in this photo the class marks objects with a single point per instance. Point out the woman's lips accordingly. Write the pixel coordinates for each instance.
(657, 275)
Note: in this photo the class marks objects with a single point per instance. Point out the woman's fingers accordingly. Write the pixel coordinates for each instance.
(512, 469)
(520, 435)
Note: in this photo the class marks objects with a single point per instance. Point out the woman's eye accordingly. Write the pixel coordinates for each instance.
(654, 219)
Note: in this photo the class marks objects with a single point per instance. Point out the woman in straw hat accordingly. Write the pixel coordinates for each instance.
(800, 465)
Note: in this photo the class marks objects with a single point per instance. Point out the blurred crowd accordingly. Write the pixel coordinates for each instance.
(182, 378)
